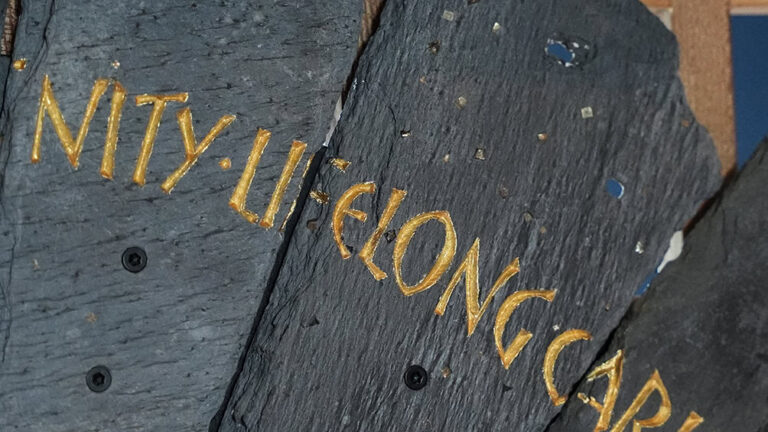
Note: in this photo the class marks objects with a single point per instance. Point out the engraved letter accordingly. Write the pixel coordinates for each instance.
(113, 124)
(509, 354)
(237, 201)
(692, 422)
(662, 415)
(191, 148)
(301, 183)
(48, 104)
(343, 209)
(613, 370)
(294, 155)
(469, 268)
(443, 261)
(158, 107)
(369, 249)
(553, 352)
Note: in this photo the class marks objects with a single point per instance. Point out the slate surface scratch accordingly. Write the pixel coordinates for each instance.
(332, 346)
(172, 334)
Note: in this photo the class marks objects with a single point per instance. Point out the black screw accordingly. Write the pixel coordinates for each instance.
(98, 379)
(134, 259)
(415, 377)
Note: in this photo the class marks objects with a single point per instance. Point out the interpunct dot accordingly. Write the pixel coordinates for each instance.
(225, 163)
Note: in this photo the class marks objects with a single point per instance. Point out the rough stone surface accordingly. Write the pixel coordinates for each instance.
(172, 334)
(450, 110)
(703, 322)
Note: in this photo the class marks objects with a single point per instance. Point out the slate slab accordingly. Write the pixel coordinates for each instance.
(702, 325)
(171, 335)
(474, 109)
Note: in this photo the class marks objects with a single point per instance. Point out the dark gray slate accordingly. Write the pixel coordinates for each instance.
(703, 323)
(330, 351)
(172, 334)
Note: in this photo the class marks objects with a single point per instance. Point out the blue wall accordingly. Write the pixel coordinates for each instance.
(750, 69)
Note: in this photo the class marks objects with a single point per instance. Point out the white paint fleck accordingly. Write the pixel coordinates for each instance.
(336, 116)
(675, 249)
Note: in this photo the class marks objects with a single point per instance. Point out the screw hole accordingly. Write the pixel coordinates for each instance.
(134, 259)
(98, 379)
(415, 377)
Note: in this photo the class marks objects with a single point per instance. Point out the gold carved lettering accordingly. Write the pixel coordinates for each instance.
(320, 197)
(158, 107)
(613, 370)
(48, 104)
(443, 261)
(369, 249)
(301, 183)
(237, 201)
(692, 422)
(192, 149)
(294, 156)
(553, 352)
(469, 268)
(654, 383)
(113, 125)
(340, 164)
(343, 208)
(509, 354)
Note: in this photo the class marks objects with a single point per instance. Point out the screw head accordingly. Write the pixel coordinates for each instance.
(98, 379)
(415, 377)
(134, 259)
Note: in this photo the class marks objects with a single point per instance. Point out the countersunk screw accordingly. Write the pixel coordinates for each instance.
(134, 259)
(415, 377)
(98, 379)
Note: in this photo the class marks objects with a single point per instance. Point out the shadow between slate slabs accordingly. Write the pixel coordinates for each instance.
(171, 335)
(332, 347)
(703, 323)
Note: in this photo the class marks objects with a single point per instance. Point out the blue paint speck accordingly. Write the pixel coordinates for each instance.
(615, 188)
(560, 52)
